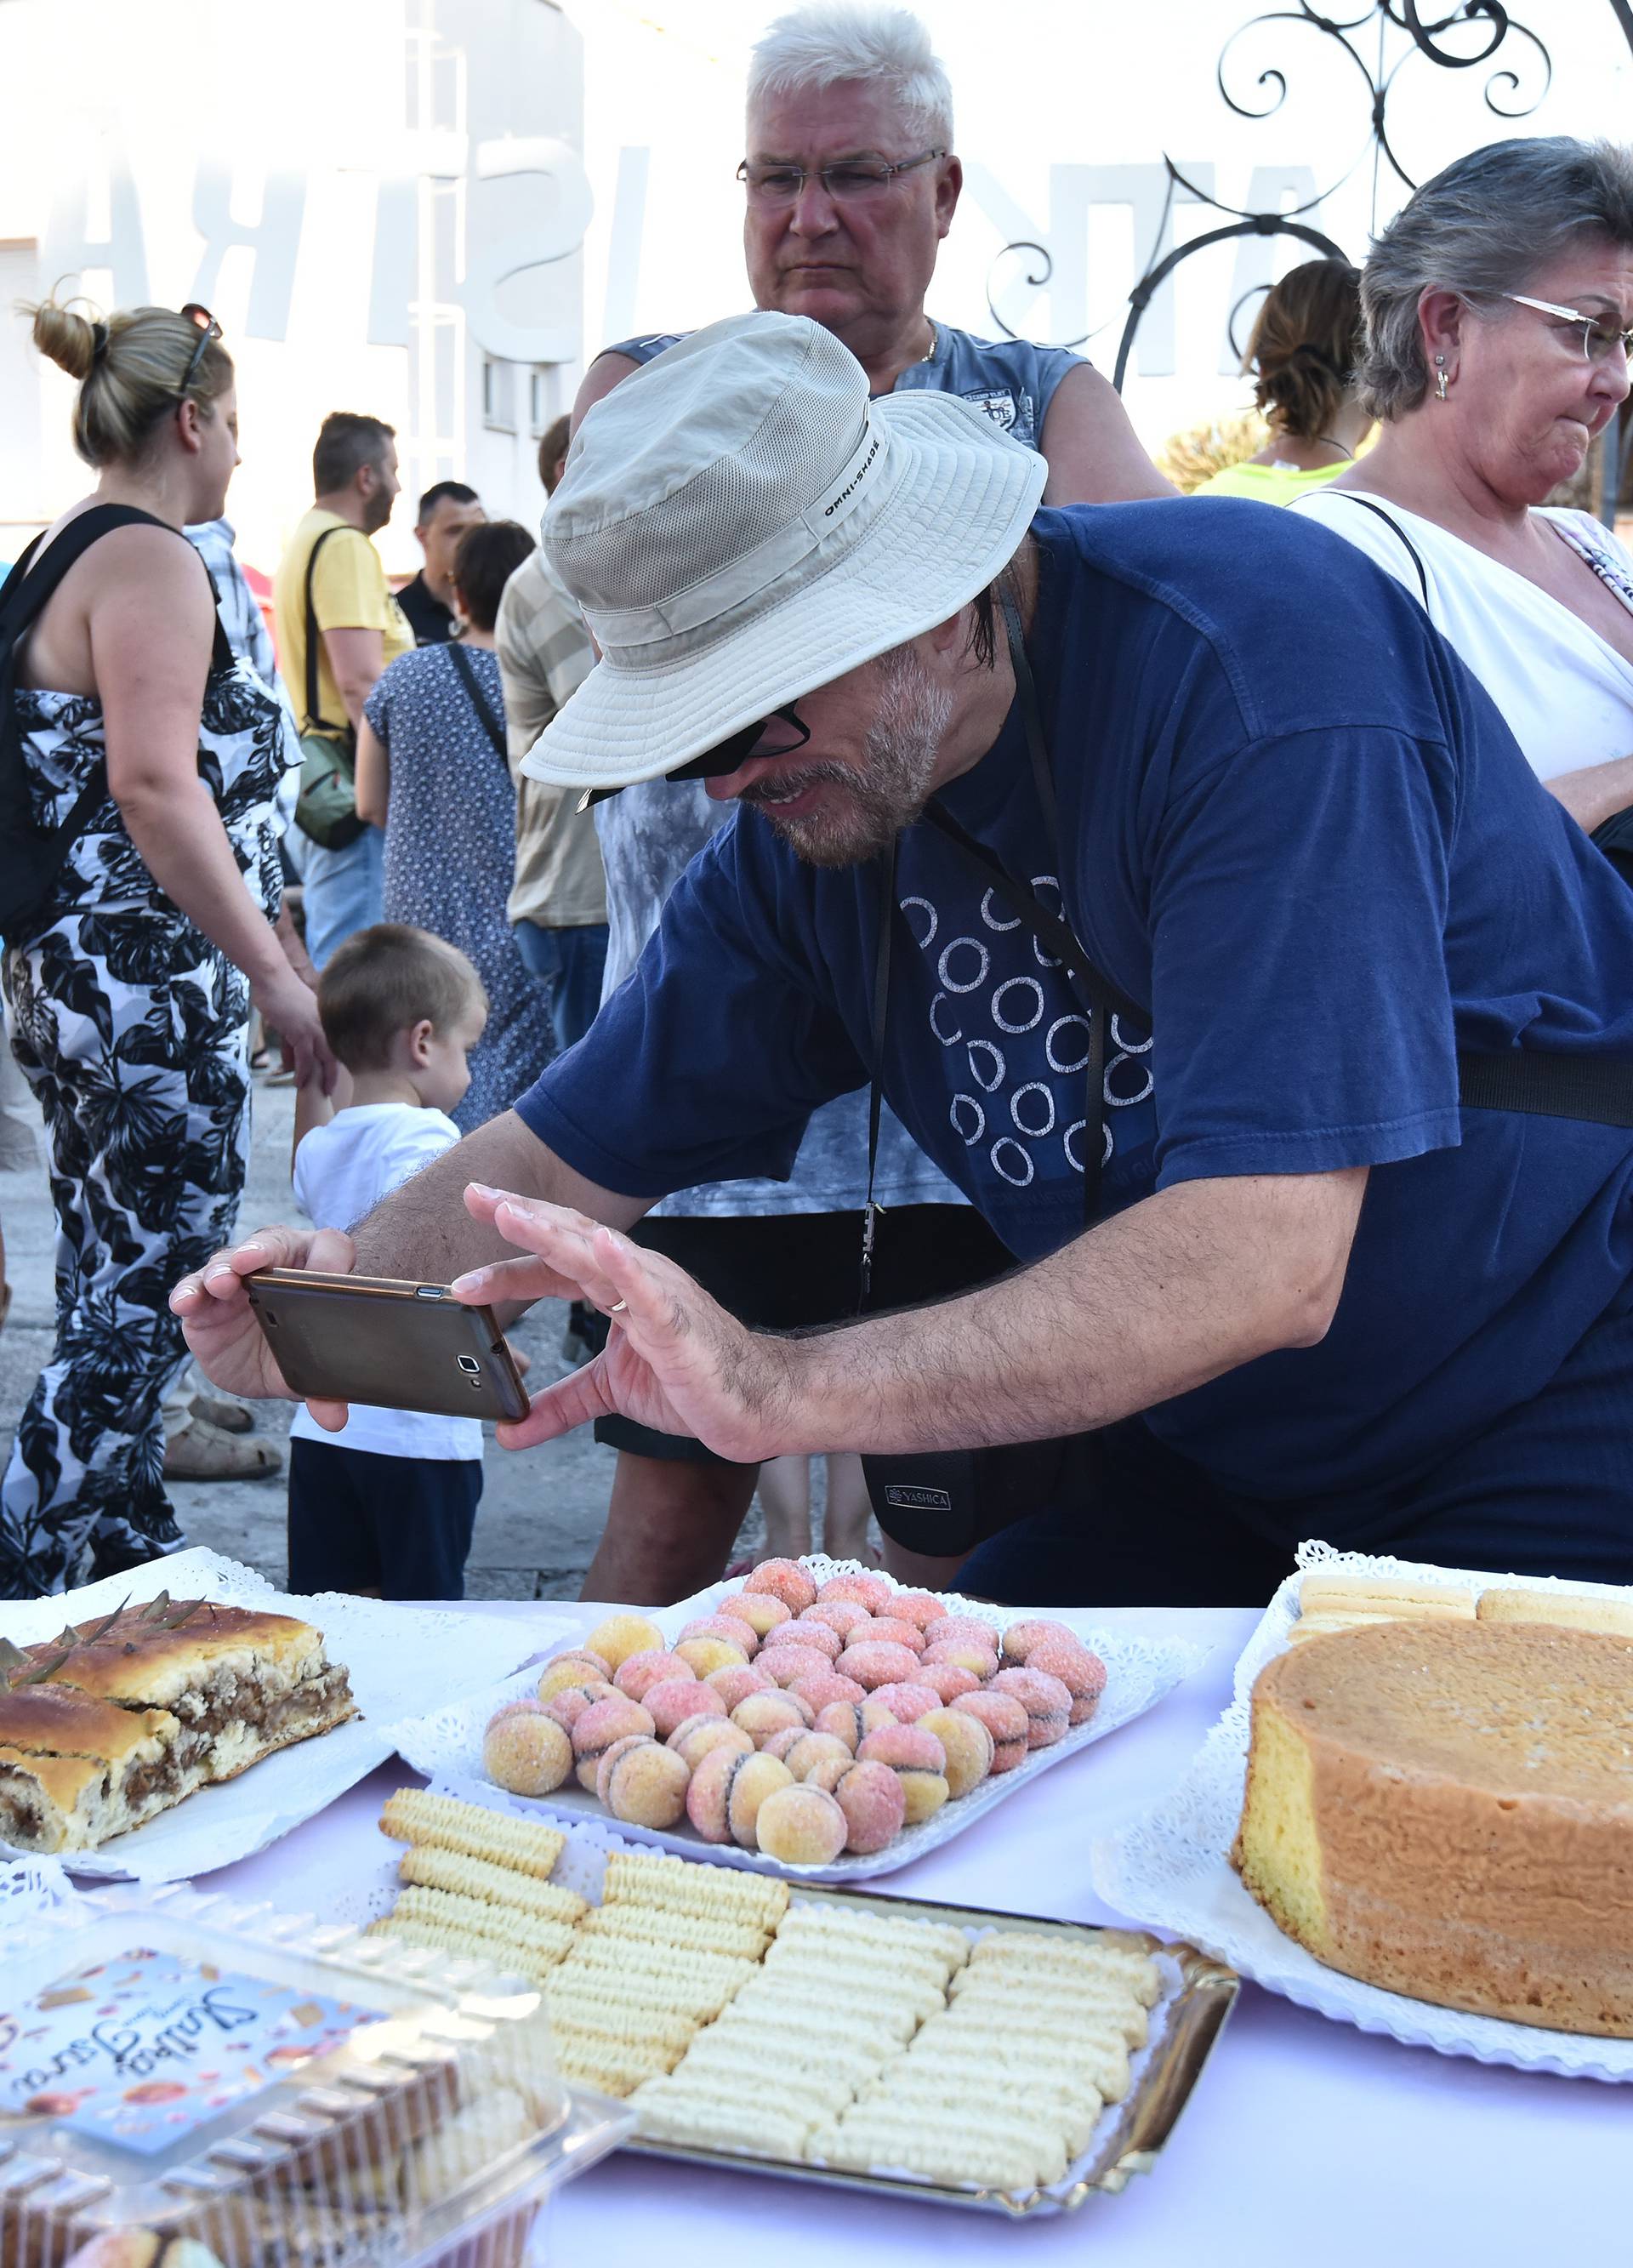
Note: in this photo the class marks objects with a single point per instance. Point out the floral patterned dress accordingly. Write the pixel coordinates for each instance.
(132, 1029)
(451, 855)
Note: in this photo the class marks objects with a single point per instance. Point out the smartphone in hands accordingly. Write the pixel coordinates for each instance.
(395, 1345)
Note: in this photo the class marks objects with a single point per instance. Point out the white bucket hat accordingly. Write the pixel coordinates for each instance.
(741, 524)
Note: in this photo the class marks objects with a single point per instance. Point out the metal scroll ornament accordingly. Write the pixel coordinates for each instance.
(1397, 35)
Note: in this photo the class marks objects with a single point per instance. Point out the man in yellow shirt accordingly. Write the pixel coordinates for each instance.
(361, 631)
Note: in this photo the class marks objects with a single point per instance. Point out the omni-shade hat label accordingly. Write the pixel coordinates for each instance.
(851, 500)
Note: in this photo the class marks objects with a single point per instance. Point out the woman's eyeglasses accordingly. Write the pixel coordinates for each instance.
(209, 328)
(852, 181)
(1600, 337)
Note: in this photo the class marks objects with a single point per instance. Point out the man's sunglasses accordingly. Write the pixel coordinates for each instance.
(716, 763)
(208, 329)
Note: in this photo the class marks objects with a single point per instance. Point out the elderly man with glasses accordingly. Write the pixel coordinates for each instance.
(849, 184)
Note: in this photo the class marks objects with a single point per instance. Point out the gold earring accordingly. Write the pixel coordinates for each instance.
(1440, 377)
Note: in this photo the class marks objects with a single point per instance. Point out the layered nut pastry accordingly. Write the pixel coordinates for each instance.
(118, 1719)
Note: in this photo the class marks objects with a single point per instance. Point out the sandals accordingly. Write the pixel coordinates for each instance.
(202, 1452)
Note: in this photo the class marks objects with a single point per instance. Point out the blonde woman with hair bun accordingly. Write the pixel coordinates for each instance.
(139, 884)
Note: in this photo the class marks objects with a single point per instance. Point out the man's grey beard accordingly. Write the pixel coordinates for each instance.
(888, 790)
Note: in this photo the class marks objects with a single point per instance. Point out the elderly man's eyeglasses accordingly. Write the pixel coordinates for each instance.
(207, 328)
(1600, 337)
(852, 181)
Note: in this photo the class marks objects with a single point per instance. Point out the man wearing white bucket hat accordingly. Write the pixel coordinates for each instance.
(1028, 795)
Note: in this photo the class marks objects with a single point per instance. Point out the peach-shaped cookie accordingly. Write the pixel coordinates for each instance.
(621, 1635)
(1080, 1670)
(874, 1804)
(946, 1679)
(652, 1667)
(840, 1615)
(1021, 1638)
(800, 1827)
(874, 1664)
(758, 1608)
(816, 1638)
(710, 1786)
(609, 1757)
(757, 1777)
(670, 1703)
(568, 1702)
(968, 1746)
(704, 1655)
(526, 1751)
(601, 1724)
(819, 1687)
(786, 1664)
(785, 1579)
(699, 1736)
(851, 1721)
(891, 1631)
(575, 1669)
(919, 1607)
(736, 1684)
(1006, 1719)
(962, 1626)
(873, 1592)
(732, 1628)
(964, 1653)
(1047, 1702)
(806, 1750)
(919, 1762)
(909, 1702)
(765, 1713)
(646, 1786)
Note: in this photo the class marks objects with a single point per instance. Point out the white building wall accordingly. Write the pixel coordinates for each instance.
(349, 183)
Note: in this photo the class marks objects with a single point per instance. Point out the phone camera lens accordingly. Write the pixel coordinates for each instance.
(469, 1365)
(270, 1319)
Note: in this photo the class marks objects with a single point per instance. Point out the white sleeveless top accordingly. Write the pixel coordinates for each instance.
(1564, 694)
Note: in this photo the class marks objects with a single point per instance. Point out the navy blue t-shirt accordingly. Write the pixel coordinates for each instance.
(1292, 823)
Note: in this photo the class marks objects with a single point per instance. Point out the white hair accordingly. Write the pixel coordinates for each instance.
(840, 41)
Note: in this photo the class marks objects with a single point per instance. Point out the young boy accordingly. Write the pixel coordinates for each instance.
(386, 1506)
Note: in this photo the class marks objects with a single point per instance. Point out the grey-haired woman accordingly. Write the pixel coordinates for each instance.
(1498, 311)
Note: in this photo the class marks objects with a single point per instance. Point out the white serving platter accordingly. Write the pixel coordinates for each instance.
(396, 1655)
(447, 1742)
(1172, 1869)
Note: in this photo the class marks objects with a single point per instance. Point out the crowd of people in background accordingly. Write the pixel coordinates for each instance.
(462, 921)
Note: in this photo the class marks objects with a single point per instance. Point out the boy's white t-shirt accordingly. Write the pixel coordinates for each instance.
(341, 1172)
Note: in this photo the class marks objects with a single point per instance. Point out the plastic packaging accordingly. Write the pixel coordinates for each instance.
(180, 2072)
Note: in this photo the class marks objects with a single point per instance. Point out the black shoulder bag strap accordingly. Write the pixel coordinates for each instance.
(1390, 520)
(314, 720)
(494, 730)
(23, 598)
(1596, 1088)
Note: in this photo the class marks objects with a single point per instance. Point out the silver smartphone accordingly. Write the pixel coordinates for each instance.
(395, 1345)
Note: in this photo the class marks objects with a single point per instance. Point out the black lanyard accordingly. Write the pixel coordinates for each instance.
(1101, 999)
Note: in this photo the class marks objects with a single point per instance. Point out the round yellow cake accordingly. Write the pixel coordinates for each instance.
(1447, 1809)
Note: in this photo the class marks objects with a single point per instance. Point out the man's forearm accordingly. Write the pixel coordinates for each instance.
(424, 1231)
(1188, 1285)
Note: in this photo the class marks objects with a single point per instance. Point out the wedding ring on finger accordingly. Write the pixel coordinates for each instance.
(618, 1308)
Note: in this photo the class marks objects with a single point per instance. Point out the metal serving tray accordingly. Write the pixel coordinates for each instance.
(1198, 1994)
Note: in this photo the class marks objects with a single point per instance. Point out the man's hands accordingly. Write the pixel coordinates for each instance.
(674, 1359)
(220, 1324)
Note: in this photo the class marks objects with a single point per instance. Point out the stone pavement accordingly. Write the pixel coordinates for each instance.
(542, 1510)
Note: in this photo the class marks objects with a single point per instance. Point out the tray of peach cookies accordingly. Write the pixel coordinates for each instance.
(818, 1719)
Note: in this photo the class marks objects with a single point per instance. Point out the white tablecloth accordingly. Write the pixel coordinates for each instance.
(1307, 2143)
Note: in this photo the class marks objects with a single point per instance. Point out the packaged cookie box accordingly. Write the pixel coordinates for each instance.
(186, 2083)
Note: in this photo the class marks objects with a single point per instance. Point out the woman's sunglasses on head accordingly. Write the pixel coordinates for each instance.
(207, 328)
